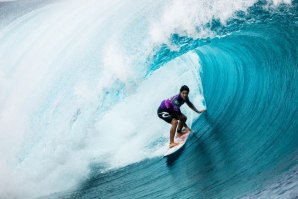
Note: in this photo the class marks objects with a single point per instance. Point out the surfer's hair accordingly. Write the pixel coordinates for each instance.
(184, 88)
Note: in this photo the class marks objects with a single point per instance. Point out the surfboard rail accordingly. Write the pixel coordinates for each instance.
(181, 140)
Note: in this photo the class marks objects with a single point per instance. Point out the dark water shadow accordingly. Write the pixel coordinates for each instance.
(171, 159)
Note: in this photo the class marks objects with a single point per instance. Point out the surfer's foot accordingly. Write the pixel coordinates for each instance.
(173, 144)
(184, 131)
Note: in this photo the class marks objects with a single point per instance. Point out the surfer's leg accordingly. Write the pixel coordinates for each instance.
(174, 123)
(182, 123)
(182, 120)
(167, 116)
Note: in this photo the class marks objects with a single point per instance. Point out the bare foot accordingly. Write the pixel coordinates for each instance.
(184, 131)
(173, 144)
(187, 130)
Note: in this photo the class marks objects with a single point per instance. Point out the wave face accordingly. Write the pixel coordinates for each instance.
(81, 84)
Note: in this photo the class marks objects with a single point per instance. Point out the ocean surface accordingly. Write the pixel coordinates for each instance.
(81, 81)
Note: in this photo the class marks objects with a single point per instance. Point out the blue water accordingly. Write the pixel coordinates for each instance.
(92, 130)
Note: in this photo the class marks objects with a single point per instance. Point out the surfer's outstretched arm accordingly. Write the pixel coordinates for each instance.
(193, 107)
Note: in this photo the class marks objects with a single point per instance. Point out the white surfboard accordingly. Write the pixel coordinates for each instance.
(181, 140)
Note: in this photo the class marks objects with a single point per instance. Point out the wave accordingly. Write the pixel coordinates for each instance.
(81, 83)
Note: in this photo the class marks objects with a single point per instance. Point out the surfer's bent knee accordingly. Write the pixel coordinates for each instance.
(174, 121)
(183, 118)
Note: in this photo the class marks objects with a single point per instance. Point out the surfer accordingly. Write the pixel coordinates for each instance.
(169, 111)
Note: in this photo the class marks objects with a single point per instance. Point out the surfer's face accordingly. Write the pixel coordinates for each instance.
(184, 94)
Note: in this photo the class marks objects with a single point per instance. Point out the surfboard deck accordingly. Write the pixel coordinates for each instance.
(181, 140)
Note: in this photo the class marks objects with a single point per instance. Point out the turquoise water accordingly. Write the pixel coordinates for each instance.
(247, 140)
(85, 104)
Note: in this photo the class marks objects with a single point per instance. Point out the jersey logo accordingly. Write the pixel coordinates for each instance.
(165, 114)
(176, 102)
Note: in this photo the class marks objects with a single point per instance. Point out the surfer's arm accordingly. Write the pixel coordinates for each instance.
(193, 107)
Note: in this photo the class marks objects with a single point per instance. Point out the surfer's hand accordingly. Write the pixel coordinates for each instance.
(202, 111)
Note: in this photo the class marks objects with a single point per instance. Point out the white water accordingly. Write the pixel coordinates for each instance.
(190, 18)
(73, 90)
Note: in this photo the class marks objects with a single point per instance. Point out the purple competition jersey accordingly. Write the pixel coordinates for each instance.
(173, 104)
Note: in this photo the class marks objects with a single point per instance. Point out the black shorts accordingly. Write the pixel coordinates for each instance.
(166, 115)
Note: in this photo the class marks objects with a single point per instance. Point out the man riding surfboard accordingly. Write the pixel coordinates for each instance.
(169, 111)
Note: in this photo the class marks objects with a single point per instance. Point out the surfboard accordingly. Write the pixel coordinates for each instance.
(181, 140)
